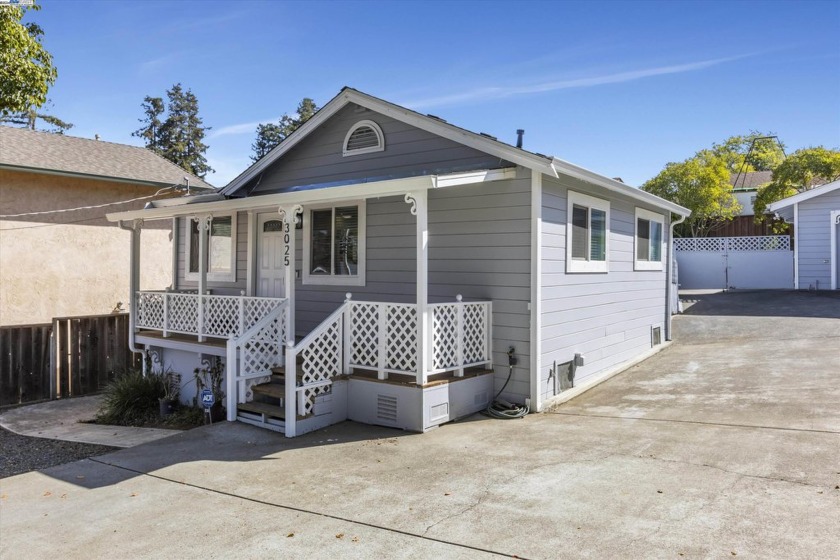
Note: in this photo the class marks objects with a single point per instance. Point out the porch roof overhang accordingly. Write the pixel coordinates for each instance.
(374, 189)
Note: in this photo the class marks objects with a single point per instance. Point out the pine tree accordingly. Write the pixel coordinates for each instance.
(180, 136)
(270, 135)
(151, 132)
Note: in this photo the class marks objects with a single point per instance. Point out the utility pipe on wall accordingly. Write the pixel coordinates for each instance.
(133, 283)
(668, 273)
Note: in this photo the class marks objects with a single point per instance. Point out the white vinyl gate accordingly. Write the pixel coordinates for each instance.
(763, 262)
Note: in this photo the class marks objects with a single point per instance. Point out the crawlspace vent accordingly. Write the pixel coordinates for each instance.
(386, 408)
(439, 412)
(656, 336)
(481, 398)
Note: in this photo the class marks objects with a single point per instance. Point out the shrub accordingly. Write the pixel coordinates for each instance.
(132, 399)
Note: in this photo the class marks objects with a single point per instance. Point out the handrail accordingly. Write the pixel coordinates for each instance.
(319, 330)
(235, 366)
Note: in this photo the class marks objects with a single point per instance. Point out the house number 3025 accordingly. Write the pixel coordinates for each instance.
(286, 239)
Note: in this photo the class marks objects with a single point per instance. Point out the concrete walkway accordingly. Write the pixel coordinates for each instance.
(726, 444)
(66, 419)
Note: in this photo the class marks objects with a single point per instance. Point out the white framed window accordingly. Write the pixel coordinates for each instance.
(649, 227)
(587, 233)
(334, 244)
(363, 137)
(220, 247)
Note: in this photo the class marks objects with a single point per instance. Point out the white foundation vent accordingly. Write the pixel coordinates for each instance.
(386, 408)
(655, 336)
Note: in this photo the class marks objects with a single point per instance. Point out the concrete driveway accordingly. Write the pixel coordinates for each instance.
(725, 444)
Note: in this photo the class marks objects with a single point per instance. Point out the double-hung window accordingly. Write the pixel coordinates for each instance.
(334, 245)
(649, 226)
(220, 246)
(587, 234)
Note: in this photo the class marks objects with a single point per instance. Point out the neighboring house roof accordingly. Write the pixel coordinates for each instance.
(28, 150)
(803, 196)
(750, 181)
(548, 165)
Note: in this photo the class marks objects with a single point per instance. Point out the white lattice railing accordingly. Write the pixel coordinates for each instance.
(383, 337)
(461, 335)
(202, 315)
(254, 353)
(733, 244)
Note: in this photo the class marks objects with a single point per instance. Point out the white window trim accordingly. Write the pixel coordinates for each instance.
(357, 280)
(651, 217)
(380, 148)
(212, 276)
(592, 203)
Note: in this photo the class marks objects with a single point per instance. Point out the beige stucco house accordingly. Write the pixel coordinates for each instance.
(58, 257)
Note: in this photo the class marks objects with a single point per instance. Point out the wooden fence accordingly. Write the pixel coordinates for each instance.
(72, 356)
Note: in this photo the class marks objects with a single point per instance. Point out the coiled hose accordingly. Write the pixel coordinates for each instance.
(502, 409)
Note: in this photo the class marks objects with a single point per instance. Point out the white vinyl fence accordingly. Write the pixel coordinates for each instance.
(761, 262)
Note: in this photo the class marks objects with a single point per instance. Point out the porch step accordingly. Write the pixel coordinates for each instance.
(265, 409)
(274, 390)
(279, 376)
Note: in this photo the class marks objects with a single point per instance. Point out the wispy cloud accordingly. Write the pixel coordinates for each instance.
(241, 128)
(156, 64)
(499, 92)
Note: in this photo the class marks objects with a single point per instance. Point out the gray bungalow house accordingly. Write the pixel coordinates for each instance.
(388, 267)
(815, 215)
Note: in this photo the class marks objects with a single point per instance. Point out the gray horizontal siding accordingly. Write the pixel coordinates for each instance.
(231, 288)
(391, 265)
(408, 152)
(606, 317)
(479, 247)
(814, 240)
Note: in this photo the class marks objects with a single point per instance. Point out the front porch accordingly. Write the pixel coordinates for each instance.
(394, 355)
(362, 362)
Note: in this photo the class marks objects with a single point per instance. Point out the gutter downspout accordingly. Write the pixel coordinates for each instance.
(133, 281)
(668, 274)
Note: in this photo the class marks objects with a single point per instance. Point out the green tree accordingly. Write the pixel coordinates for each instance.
(270, 135)
(29, 118)
(180, 136)
(26, 68)
(701, 184)
(153, 109)
(756, 151)
(801, 171)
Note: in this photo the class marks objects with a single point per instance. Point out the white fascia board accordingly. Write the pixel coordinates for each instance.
(324, 113)
(390, 187)
(572, 170)
(803, 196)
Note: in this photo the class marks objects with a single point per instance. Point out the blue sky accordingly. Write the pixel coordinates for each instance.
(618, 87)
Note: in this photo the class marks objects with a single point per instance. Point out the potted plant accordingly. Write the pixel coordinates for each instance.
(171, 391)
(211, 376)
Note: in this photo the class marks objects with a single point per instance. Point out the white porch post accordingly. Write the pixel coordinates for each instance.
(419, 201)
(290, 218)
(204, 224)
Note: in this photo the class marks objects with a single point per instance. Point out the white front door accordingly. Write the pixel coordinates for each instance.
(270, 253)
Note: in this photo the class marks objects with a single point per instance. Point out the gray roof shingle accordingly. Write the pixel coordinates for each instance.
(67, 154)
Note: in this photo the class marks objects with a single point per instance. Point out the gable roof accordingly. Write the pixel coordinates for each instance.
(803, 196)
(28, 150)
(548, 165)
